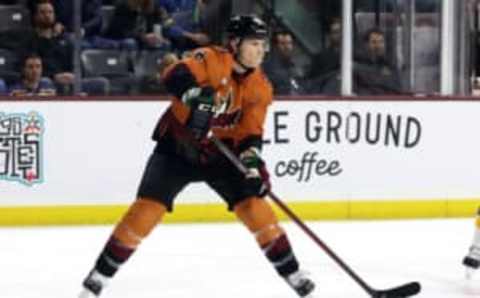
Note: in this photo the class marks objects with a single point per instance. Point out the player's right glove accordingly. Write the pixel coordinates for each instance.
(202, 106)
(258, 179)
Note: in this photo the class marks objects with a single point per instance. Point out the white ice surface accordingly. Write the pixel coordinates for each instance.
(222, 260)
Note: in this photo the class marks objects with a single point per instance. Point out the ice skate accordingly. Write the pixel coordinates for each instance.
(301, 284)
(87, 294)
(472, 261)
(93, 285)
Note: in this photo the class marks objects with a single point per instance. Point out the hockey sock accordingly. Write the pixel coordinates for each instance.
(279, 252)
(260, 219)
(139, 221)
(112, 257)
(136, 224)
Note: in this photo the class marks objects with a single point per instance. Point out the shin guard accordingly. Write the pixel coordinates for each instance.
(260, 219)
(136, 224)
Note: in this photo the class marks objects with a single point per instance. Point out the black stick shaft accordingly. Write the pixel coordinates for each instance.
(320, 243)
(241, 167)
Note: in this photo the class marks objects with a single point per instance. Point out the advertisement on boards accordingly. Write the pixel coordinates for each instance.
(95, 152)
(21, 156)
(373, 150)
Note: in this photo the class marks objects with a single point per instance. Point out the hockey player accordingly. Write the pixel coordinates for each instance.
(472, 260)
(219, 91)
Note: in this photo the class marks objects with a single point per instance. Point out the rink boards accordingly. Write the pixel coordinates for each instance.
(79, 162)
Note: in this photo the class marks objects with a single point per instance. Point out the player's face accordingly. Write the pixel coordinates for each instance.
(252, 51)
(33, 69)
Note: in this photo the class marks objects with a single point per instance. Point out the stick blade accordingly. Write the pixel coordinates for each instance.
(402, 291)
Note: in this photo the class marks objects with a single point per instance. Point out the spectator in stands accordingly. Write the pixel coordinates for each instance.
(153, 84)
(50, 44)
(323, 74)
(32, 82)
(184, 24)
(3, 87)
(91, 19)
(56, 52)
(373, 74)
(131, 26)
(280, 66)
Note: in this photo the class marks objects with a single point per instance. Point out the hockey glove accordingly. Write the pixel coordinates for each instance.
(197, 96)
(202, 105)
(257, 177)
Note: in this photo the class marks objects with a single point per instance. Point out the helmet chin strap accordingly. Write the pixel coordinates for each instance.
(246, 68)
(236, 56)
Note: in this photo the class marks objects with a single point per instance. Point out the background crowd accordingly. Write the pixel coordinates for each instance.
(125, 45)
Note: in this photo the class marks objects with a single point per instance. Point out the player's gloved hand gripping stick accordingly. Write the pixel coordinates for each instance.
(402, 291)
(202, 104)
(257, 174)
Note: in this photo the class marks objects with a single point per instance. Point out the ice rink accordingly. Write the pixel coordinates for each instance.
(222, 260)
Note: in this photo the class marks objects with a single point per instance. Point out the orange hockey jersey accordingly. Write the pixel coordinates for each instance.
(240, 103)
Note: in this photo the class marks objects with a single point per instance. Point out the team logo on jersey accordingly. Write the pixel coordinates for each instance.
(224, 116)
(227, 120)
(21, 139)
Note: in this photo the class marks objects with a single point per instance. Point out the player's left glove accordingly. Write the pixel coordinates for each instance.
(258, 178)
(201, 103)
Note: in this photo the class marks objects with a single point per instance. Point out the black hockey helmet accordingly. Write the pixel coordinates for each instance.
(244, 26)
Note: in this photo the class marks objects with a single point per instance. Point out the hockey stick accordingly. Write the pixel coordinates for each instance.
(402, 291)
